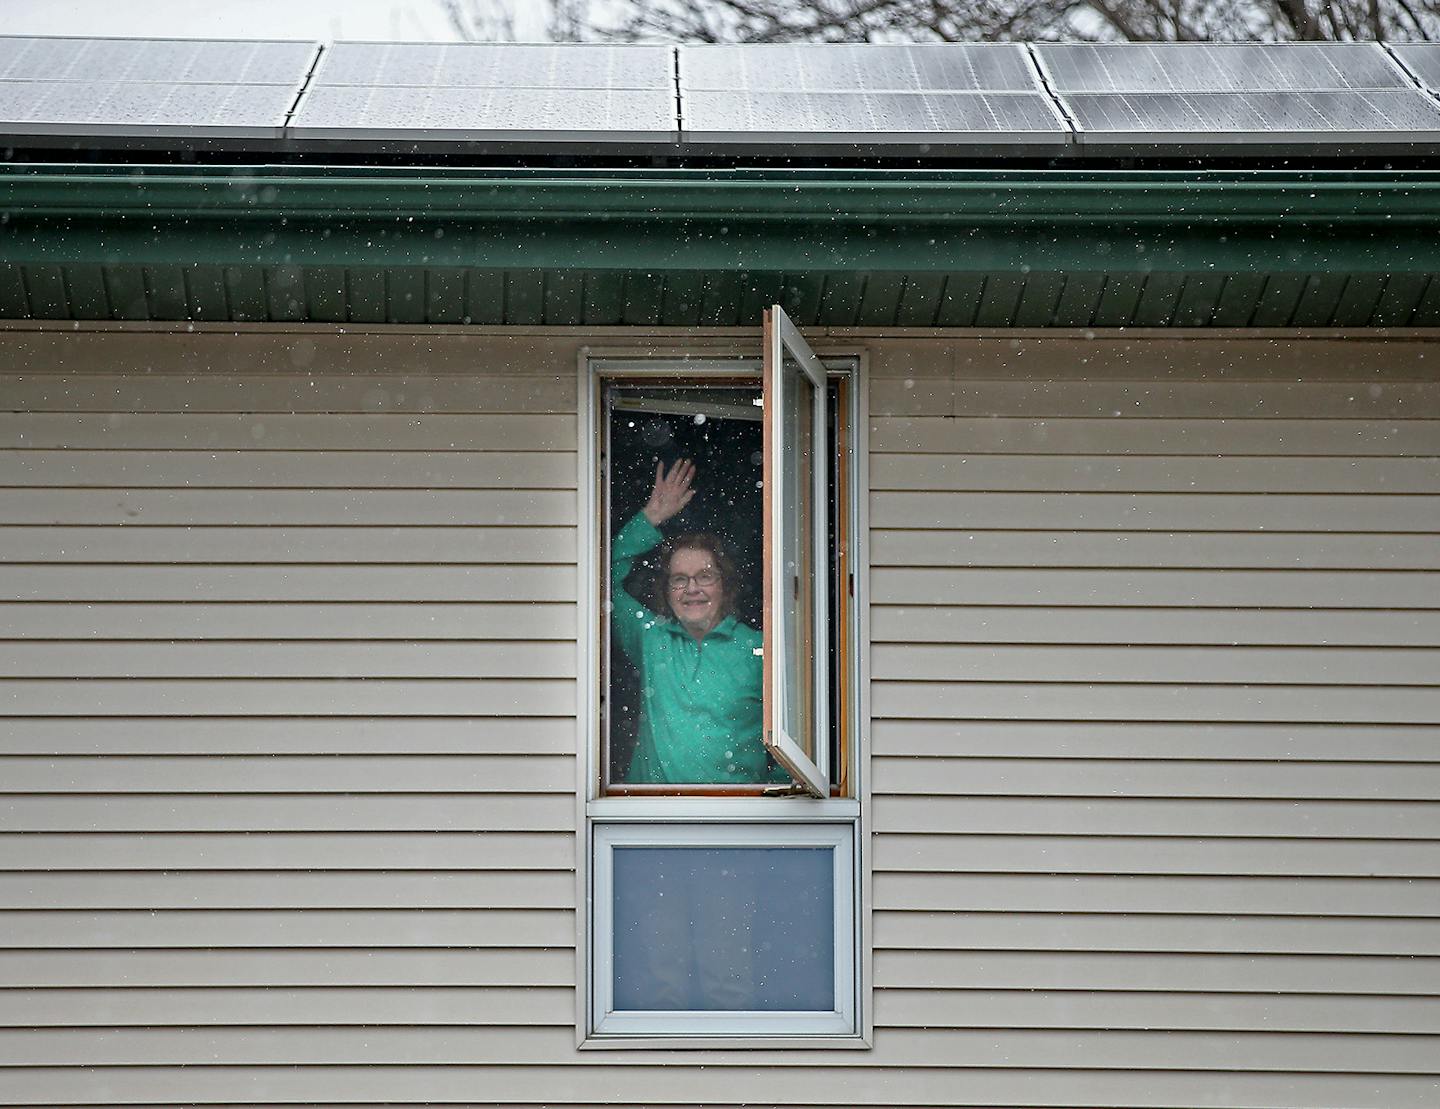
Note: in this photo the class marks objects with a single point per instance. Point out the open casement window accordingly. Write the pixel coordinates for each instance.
(796, 555)
(723, 860)
(750, 707)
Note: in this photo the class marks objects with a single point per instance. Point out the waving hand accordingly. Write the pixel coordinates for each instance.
(672, 491)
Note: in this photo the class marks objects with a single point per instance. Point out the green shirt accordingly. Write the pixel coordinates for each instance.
(700, 714)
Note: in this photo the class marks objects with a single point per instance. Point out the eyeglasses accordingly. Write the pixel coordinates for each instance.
(704, 579)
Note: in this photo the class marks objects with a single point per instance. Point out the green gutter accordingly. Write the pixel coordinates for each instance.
(901, 248)
(1055, 197)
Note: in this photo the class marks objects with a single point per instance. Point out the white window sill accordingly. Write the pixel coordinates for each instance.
(710, 1042)
(729, 809)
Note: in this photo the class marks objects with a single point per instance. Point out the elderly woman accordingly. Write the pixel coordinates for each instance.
(700, 667)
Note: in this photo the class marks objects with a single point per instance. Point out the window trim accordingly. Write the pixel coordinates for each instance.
(597, 370)
(839, 836)
(701, 357)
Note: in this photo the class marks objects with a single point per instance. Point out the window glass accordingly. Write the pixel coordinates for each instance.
(795, 618)
(740, 929)
(838, 596)
(683, 681)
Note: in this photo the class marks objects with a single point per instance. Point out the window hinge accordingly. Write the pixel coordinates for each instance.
(794, 789)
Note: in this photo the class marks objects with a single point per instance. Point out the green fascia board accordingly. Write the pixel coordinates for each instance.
(657, 245)
(1061, 247)
(897, 196)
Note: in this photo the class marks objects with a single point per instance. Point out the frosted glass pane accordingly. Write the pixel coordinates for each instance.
(731, 929)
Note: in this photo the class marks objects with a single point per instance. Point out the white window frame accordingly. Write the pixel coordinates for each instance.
(607, 1021)
(653, 817)
(811, 771)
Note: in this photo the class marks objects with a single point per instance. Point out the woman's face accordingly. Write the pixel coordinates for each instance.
(696, 591)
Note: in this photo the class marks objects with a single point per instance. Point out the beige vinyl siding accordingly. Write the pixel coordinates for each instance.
(289, 656)
(1156, 690)
(288, 674)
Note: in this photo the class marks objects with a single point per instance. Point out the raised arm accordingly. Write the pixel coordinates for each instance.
(641, 533)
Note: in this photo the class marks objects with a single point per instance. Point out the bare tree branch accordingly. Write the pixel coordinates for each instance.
(956, 20)
(1417, 25)
(480, 20)
(1297, 14)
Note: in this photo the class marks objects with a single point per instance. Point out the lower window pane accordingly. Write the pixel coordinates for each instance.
(724, 928)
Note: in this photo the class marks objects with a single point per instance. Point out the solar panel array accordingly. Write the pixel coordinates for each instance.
(475, 92)
(1204, 94)
(881, 94)
(149, 87)
(909, 98)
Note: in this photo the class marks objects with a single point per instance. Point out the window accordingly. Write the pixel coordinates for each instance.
(721, 817)
(719, 928)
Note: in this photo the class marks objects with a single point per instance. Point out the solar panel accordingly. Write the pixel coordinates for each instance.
(869, 95)
(1309, 96)
(465, 114)
(149, 87)
(1207, 94)
(1421, 59)
(155, 60)
(848, 68)
(422, 92)
(855, 117)
(496, 66)
(1197, 67)
(141, 109)
(1260, 113)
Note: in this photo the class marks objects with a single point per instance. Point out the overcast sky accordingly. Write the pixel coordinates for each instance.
(291, 19)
